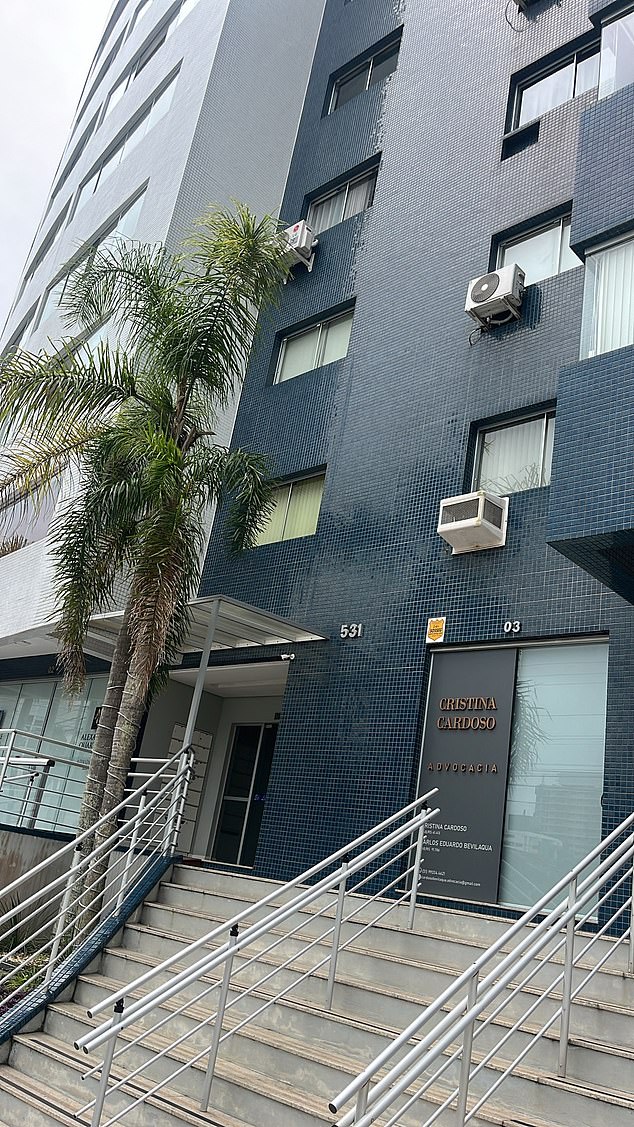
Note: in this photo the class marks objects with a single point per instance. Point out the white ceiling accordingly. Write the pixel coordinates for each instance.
(257, 679)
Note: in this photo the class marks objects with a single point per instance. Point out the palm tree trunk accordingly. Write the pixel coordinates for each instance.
(130, 716)
(99, 767)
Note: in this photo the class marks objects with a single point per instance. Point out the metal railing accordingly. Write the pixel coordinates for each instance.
(49, 914)
(596, 896)
(41, 781)
(382, 869)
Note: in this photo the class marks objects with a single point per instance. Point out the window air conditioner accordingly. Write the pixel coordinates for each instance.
(474, 521)
(302, 243)
(496, 298)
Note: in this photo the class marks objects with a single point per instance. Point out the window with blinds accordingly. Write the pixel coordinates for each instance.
(295, 512)
(351, 198)
(318, 345)
(516, 456)
(608, 305)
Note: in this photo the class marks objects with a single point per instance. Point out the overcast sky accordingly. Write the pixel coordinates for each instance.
(46, 49)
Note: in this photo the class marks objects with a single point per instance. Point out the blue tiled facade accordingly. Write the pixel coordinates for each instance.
(393, 423)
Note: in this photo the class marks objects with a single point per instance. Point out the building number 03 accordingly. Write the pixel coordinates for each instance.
(512, 627)
(351, 630)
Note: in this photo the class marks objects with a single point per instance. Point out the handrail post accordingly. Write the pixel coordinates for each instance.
(186, 765)
(416, 872)
(630, 957)
(130, 854)
(102, 1091)
(61, 919)
(336, 934)
(4, 763)
(220, 1013)
(361, 1105)
(566, 999)
(467, 1045)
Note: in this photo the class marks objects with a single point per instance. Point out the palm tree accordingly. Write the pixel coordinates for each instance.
(134, 426)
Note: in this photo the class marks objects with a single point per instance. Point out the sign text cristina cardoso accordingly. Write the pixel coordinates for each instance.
(466, 754)
(485, 721)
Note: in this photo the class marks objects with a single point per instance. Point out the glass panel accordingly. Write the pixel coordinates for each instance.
(608, 308)
(243, 755)
(587, 74)
(617, 55)
(87, 190)
(510, 458)
(553, 811)
(549, 92)
(135, 135)
(327, 213)
(229, 832)
(298, 354)
(52, 301)
(150, 51)
(383, 65)
(548, 450)
(260, 784)
(336, 336)
(162, 104)
(116, 95)
(348, 88)
(110, 164)
(360, 195)
(127, 222)
(273, 531)
(568, 259)
(303, 509)
(538, 255)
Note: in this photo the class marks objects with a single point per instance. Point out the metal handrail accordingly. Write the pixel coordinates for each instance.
(49, 920)
(393, 849)
(487, 979)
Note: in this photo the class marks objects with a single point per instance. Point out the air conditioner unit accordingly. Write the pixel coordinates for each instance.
(302, 243)
(473, 521)
(496, 298)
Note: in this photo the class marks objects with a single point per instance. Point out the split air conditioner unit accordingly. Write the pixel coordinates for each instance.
(473, 521)
(302, 243)
(496, 298)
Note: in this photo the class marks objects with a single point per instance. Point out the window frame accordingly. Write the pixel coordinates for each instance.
(356, 68)
(289, 485)
(88, 250)
(143, 114)
(547, 414)
(352, 182)
(577, 56)
(320, 345)
(504, 244)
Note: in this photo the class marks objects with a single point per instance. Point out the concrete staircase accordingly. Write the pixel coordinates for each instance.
(282, 1069)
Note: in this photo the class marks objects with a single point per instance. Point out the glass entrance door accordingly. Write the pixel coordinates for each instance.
(244, 795)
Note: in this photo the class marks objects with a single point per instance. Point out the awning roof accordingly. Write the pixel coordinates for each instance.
(237, 625)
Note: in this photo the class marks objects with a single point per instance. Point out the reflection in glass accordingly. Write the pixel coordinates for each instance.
(617, 55)
(553, 810)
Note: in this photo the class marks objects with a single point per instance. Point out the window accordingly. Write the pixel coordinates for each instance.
(567, 81)
(608, 300)
(138, 15)
(350, 199)
(296, 511)
(146, 54)
(361, 77)
(617, 55)
(515, 456)
(123, 227)
(153, 113)
(555, 781)
(321, 344)
(542, 253)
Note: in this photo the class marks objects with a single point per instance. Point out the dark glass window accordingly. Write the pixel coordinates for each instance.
(361, 77)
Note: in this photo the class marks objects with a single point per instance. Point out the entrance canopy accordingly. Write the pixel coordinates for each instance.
(216, 623)
(235, 626)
